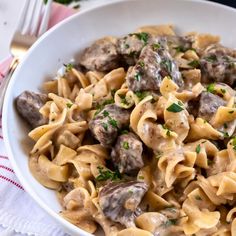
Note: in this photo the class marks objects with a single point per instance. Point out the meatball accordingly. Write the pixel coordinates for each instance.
(106, 124)
(101, 55)
(28, 105)
(119, 201)
(127, 154)
(209, 103)
(218, 64)
(153, 65)
(131, 45)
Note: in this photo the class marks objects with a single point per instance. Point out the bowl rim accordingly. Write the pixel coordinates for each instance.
(27, 187)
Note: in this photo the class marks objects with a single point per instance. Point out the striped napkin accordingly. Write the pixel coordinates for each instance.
(19, 214)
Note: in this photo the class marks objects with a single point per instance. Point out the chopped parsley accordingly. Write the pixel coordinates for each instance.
(142, 36)
(158, 155)
(113, 123)
(197, 197)
(100, 107)
(105, 126)
(167, 64)
(230, 112)
(156, 46)
(141, 177)
(194, 63)
(68, 67)
(225, 126)
(180, 48)
(209, 162)
(124, 131)
(198, 149)
(107, 174)
(141, 95)
(138, 76)
(226, 135)
(126, 145)
(113, 91)
(105, 113)
(211, 58)
(141, 63)
(126, 45)
(69, 105)
(123, 99)
(169, 223)
(223, 91)
(175, 108)
(211, 88)
(167, 130)
(234, 143)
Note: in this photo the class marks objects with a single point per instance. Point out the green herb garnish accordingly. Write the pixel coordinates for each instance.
(175, 108)
(156, 46)
(226, 135)
(180, 48)
(141, 177)
(107, 174)
(126, 45)
(198, 198)
(141, 63)
(167, 64)
(126, 145)
(141, 95)
(158, 155)
(194, 63)
(105, 113)
(225, 126)
(113, 123)
(211, 58)
(211, 88)
(209, 162)
(124, 131)
(105, 126)
(198, 149)
(170, 222)
(234, 143)
(69, 105)
(223, 91)
(68, 67)
(138, 76)
(100, 107)
(123, 99)
(142, 36)
(230, 112)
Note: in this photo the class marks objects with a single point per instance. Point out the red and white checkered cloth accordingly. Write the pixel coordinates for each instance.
(19, 214)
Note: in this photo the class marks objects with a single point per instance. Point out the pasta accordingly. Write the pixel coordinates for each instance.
(138, 138)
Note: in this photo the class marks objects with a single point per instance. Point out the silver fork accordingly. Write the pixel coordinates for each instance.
(33, 23)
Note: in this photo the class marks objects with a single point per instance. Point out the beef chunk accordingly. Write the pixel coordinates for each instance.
(131, 45)
(153, 65)
(218, 64)
(106, 124)
(209, 103)
(101, 55)
(179, 43)
(119, 201)
(28, 105)
(127, 153)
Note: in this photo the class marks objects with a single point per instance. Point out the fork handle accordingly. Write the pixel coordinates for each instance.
(5, 82)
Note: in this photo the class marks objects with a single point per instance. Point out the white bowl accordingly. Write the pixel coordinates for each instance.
(64, 41)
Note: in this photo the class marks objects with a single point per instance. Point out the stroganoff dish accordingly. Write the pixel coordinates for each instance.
(137, 137)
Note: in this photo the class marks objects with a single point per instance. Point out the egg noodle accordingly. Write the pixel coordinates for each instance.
(191, 180)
